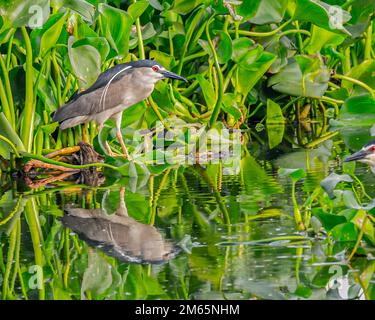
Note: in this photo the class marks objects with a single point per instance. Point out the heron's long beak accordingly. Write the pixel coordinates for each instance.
(172, 75)
(356, 156)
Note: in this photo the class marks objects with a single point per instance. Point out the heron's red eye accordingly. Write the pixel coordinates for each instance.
(373, 149)
(155, 68)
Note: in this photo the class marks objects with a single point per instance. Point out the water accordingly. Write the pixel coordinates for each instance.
(199, 232)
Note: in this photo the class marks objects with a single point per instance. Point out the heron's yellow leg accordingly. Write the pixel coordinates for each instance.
(110, 152)
(123, 147)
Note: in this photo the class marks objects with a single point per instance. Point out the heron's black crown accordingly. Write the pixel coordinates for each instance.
(371, 143)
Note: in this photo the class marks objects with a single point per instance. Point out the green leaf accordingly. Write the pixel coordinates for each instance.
(275, 124)
(208, 91)
(329, 183)
(250, 72)
(230, 106)
(351, 201)
(8, 132)
(357, 111)
(363, 72)
(294, 174)
(307, 64)
(99, 43)
(50, 32)
(368, 228)
(117, 26)
(361, 11)
(156, 5)
(248, 8)
(185, 6)
(85, 9)
(19, 13)
(136, 9)
(85, 61)
(224, 47)
(345, 232)
(328, 17)
(269, 11)
(289, 81)
(166, 60)
(97, 277)
(241, 46)
(322, 38)
(328, 220)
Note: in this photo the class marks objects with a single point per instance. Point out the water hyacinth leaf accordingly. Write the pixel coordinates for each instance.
(45, 92)
(136, 9)
(307, 64)
(321, 38)
(361, 12)
(166, 60)
(345, 232)
(330, 183)
(303, 291)
(48, 35)
(289, 81)
(84, 8)
(357, 111)
(99, 43)
(156, 4)
(97, 277)
(240, 47)
(83, 30)
(224, 47)
(316, 225)
(148, 32)
(117, 26)
(133, 114)
(368, 227)
(294, 174)
(328, 220)
(269, 11)
(351, 201)
(85, 61)
(185, 6)
(248, 8)
(328, 17)
(8, 132)
(19, 13)
(207, 90)
(275, 124)
(230, 106)
(250, 73)
(363, 72)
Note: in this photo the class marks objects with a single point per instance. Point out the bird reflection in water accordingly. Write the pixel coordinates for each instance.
(119, 235)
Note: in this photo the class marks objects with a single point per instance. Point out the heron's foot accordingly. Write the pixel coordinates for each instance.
(110, 152)
(123, 147)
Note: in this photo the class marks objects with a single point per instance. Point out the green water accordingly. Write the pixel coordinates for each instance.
(198, 232)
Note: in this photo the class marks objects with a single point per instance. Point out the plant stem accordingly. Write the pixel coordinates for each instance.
(262, 34)
(141, 48)
(27, 125)
(357, 82)
(358, 240)
(220, 85)
(368, 43)
(8, 92)
(297, 213)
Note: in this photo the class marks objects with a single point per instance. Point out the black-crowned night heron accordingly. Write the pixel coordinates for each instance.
(115, 90)
(120, 235)
(365, 155)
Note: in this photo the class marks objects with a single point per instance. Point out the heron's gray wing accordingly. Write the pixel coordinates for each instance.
(106, 93)
(102, 80)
